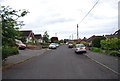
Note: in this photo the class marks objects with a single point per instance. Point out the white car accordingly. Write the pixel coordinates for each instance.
(52, 46)
(57, 44)
(80, 48)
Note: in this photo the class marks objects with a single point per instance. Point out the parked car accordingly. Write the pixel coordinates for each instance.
(70, 45)
(119, 53)
(67, 43)
(80, 48)
(57, 44)
(20, 45)
(52, 46)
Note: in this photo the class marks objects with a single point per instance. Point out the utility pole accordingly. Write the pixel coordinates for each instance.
(72, 36)
(55, 34)
(77, 31)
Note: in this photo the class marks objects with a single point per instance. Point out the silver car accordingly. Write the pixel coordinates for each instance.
(52, 46)
(80, 48)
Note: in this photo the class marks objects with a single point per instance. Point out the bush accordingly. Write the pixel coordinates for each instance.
(113, 53)
(74, 44)
(8, 51)
(83, 42)
(78, 43)
(96, 41)
(30, 43)
(94, 49)
(110, 44)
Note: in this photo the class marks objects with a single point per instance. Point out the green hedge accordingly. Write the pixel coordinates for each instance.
(110, 44)
(94, 49)
(107, 52)
(8, 51)
(96, 41)
(113, 53)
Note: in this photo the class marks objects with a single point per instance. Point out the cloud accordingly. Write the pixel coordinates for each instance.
(62, 16)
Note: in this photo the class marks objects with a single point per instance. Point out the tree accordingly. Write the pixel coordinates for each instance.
(10, 24)
(66, 40)
(96, 41)
(45, 37)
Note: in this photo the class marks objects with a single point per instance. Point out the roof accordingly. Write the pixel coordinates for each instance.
(25, 33)
(91, 38)
(38, 36)
(54, 38)
(117, 32)
(110, 36)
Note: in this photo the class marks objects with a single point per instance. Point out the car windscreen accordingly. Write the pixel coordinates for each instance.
(19, 42)
(79, 46)
(53, 44)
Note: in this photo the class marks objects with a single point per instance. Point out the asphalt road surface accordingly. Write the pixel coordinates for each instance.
(60, 63)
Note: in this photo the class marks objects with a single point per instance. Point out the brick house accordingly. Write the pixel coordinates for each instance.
(54, 39)
(89, 40)
(28, 35)
(38, 38)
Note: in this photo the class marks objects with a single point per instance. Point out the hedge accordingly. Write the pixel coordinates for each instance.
(110, 44)
(8, 51)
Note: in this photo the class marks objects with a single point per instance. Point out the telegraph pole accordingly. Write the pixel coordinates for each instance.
(55, 34)
(77, 31)
(72, 36)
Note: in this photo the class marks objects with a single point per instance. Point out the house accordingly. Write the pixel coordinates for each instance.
(75, 40)
(38, 38)
(28, 35)
(84, 39)
(54, 39)
(89, 40)
(116, 34)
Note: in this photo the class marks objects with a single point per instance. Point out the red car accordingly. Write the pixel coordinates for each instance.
(20, 44)
(70, 46)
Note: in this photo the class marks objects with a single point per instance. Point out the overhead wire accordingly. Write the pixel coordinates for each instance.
(89, 12)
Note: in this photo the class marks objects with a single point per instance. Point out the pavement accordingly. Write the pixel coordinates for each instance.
(108, 62)
(23, 56)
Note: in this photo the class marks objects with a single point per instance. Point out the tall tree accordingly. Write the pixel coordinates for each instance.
(10, 24)
(45, 37)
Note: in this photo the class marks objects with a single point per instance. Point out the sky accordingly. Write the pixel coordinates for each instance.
(60, 17)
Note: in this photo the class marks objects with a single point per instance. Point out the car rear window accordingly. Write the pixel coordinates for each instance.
(81, 45)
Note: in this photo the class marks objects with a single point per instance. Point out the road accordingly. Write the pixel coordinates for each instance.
(60, 63)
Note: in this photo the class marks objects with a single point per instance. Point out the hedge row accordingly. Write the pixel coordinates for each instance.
(110, 44)
(108, 52)
(8, 51)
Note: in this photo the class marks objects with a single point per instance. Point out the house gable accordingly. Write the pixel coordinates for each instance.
(28, 35)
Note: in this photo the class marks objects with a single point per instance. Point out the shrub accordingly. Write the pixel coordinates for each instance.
(30, 43)
(83, 42)
(70, 42)
(7, 51)
(94, 49)
(74, 44)
(113, 53)
(110, 44)
(78, 43)
(96, 41)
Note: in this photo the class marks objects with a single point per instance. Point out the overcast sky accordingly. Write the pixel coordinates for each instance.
(62, 16)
